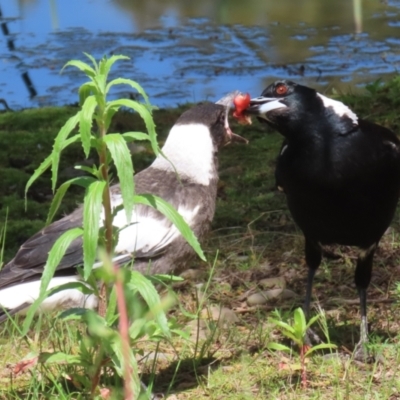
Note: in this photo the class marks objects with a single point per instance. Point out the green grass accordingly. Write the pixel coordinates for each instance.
(253, 238)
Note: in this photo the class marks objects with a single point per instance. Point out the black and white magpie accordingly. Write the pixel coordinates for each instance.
(340, 174)
(187, 178)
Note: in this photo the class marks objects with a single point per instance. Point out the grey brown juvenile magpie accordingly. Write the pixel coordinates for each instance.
(340, 174)
(187, 178)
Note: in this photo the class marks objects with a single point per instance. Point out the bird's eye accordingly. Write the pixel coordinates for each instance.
(281, 89)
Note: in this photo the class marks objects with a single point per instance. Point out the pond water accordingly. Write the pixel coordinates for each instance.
(184, 50)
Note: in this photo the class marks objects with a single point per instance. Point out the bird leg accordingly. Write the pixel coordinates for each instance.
(313, 255)
(362, 280)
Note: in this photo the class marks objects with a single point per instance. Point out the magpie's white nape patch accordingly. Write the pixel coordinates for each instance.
(339, 108)
(189, 150)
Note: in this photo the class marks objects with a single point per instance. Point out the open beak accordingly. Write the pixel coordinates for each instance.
(227, 102)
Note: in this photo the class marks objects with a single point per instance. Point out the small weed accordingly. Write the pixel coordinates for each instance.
(297, 331)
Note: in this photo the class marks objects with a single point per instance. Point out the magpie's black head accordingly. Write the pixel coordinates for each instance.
(215, 118)
(291, 108)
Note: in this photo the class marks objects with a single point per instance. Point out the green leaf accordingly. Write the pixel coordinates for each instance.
(165, 278)
(100, 81)
(81, 181)
(118, 359)
(90, 170)
(107, 63)
(92, 207)
(298, 340)
(81, 286)
(182, 334)
(321, 346)
(166, 209)
(45, 164)
(108, 116)
(59, 144)
(98, 327)
(144, 114)
(134, 85)
(82, 66)
(283, 326)
(111, 314)
(136, 330)
(70, 140)
(75, 313)
(122, 159)
(87, 89)
(55, 256)
(85, 122)
(59, 358)
(278, 347)
(299, 322)
(91, 58)
(313, 320)
(132, 136)
(150, 295)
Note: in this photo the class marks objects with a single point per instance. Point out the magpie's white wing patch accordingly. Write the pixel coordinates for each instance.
(149, 232)
(27, 292)
(339, 108)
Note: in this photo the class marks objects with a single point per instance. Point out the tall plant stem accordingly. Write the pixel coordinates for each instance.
(124, 333)
(123, 315)
(107, 216)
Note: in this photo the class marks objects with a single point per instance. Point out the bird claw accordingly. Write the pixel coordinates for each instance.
(362, 354)
(312, 338)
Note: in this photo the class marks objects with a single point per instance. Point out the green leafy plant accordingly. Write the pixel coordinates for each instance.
(112, 331)
(297, 332)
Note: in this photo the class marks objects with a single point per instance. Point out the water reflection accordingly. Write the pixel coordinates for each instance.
(316, 13)
(188, 51)
(25, 74)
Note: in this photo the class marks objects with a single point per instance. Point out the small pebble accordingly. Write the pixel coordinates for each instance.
(266, 266)
(192, 274)
(263, 297)
(272, 283)
(225, 316)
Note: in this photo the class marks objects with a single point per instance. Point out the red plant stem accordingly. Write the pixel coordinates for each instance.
(303, 367)
(121, 304)
(124, 333)
(96, 376)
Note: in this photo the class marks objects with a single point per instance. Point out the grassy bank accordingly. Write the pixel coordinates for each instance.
(253, 238)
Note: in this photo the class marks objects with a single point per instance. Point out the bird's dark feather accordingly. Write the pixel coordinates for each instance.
(341, 177)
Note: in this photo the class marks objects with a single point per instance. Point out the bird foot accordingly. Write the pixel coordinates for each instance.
(362, 354)
(312, 338)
